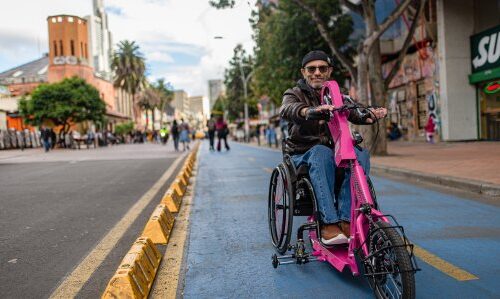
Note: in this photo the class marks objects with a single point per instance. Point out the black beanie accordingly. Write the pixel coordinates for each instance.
(316, 55)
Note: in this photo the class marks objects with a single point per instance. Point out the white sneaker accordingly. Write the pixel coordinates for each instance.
(339, 239)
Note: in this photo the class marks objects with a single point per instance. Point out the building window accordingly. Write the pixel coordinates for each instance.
(70, 19)
(54, 20)
(72, 45)
(86, 53)
(59, 19)
(55, 48)
(81, 48)
(61, 49)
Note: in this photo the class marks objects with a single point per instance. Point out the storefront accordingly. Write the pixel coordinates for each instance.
(485, 55)
(413, 94)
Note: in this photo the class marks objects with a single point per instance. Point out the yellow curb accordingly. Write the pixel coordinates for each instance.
(136, 272)
(183, 179)
(184, 174)
(188, 167)
(159, 225)
(172, 200)
(179, 187)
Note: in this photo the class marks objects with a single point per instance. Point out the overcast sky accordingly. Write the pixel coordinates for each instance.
(176, 36)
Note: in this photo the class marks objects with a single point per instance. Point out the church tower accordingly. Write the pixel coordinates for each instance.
(68, 48)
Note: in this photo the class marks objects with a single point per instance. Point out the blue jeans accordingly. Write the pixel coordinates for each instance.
(319, 158)
(46, 145)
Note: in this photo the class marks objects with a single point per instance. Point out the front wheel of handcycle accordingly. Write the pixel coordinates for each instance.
(388, 266)
(280, 208)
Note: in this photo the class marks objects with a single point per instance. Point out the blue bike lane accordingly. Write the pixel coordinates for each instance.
(229, 249)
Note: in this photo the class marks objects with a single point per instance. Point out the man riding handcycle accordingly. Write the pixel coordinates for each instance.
(324, 176)
(310, 143)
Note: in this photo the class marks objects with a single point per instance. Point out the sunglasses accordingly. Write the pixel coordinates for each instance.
(312, 69)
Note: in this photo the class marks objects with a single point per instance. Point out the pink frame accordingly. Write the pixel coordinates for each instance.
(345, 156)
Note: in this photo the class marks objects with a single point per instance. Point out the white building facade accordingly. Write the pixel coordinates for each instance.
(101, 42)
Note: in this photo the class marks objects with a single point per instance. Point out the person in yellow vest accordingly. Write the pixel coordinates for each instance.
(164, 135)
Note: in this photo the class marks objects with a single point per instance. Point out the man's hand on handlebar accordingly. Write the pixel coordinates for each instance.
(321, 112)
(376, 112)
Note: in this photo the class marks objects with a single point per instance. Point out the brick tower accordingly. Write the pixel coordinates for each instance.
(68, 48)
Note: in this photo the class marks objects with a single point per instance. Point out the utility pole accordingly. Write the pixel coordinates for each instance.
(244, 80)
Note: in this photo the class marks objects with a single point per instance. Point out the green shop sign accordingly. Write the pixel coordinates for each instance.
(485, 50)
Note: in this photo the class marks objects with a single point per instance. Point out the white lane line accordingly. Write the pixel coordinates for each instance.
(74, 282)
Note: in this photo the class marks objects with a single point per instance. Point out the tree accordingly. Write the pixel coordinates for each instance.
(166, 95)
(129, 66)
(64, 103)
(240, 65)
(149, 98)
(366, 70)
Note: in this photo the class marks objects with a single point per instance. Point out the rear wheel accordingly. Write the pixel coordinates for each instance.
(389, 268)
(280, 208)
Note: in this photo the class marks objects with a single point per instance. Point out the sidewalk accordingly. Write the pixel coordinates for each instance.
(471, 166)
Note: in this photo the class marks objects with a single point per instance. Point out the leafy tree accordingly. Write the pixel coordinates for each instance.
(64, 103)
(219, 105)
(239, 72)
(124, 128)
(129, 66)
(327, 17)
(149, 99)
(165, 93)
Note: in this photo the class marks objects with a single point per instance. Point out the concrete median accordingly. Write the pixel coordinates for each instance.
(159, 225)
(136, 272)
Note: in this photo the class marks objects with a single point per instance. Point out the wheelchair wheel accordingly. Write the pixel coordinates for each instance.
(389, 268)
(280, 208)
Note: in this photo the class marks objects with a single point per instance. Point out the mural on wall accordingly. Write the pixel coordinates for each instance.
(405, 96)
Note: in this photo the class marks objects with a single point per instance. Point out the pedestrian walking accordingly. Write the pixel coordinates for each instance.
(90, 138)
(430, 128)
(271, 136)
(211, 131)
(222, 132)
(175, 134)
(46, 136)
(53, 138)
(257, 134)
(184, 135)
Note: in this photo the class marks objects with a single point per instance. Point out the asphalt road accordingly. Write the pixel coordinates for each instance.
(229, 252)
(56, 207)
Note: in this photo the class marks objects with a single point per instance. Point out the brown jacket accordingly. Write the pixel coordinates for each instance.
(304, 134)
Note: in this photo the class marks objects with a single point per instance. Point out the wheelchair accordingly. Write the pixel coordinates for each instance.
(291, 194)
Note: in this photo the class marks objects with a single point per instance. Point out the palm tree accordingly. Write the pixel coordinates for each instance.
(166, 95)
(149, 99)
(129, 66)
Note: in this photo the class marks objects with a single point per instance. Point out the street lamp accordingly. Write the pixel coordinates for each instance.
(244, 80)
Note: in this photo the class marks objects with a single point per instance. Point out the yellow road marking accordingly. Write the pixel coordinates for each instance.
(167, 278)
(268, 169)
(442, 265)
(74, 282)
